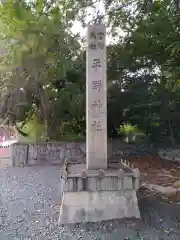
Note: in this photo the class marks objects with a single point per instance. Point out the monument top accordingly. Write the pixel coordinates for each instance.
(97, 28)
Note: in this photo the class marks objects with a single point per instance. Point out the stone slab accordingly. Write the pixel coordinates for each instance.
(46, 153)
(76, 170)
(78, 207)
(127, 183)
(112, 179)
(92, 184)
(171, 154)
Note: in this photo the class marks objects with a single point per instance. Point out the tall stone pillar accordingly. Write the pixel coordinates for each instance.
(93, 192)
(96, 98)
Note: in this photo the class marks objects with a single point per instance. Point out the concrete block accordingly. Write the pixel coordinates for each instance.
(136, 173)
(120, 173)
(104, 184)
(45, 153)
(119, 184)
(79, 184)
(136, 178)
(78, 207)
(127, 183)
(66, 188)
(70, 184)
(107, 183)
(132, 204)
(92, 184)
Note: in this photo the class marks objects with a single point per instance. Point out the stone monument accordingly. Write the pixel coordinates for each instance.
(97, 191)
(96, 98)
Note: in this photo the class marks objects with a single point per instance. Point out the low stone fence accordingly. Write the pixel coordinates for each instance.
(46, 153)
(21, 154)
(49, 153)
(170, 154)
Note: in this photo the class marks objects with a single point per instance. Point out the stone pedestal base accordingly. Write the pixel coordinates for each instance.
(91, 196)
(81, 207)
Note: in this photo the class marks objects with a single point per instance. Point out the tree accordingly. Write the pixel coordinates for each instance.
(147, 61)
(40, 49)
(43, 74)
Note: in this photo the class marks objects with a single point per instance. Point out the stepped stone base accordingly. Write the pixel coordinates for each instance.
(91, 195)
(81, 207)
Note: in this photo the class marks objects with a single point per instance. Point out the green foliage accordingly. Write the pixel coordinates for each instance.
(128, 128)
(33, 129)
(47, 61)
(146, 64)
(131, 134)
(41, 49)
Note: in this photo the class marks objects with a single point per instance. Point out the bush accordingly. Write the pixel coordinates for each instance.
(33, 129)
(131, 134)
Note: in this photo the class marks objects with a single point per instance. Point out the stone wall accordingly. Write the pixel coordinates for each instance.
(49, 153)
(170, 154)
(46, 153)
(55, 153)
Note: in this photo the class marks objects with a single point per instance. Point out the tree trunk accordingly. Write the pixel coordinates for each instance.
(171, 131)
(53, 131)
(51, 126)
(44, 105)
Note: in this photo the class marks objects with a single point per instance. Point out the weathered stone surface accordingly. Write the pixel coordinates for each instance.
(19, 154)
(104, 184)
(136, 178)
(52, 153)
(96, 98)
(127, 183)
(45, 153)
(113, 170)
(95, 184)
(98, 206)
(170, 154)
(109, 181)
(92, 198)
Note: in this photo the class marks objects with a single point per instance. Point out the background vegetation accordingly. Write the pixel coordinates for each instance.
(42, 67)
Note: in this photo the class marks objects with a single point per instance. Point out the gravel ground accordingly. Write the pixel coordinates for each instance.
(28, 197)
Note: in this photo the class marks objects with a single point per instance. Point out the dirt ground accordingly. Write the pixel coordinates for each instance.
(157, 174)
